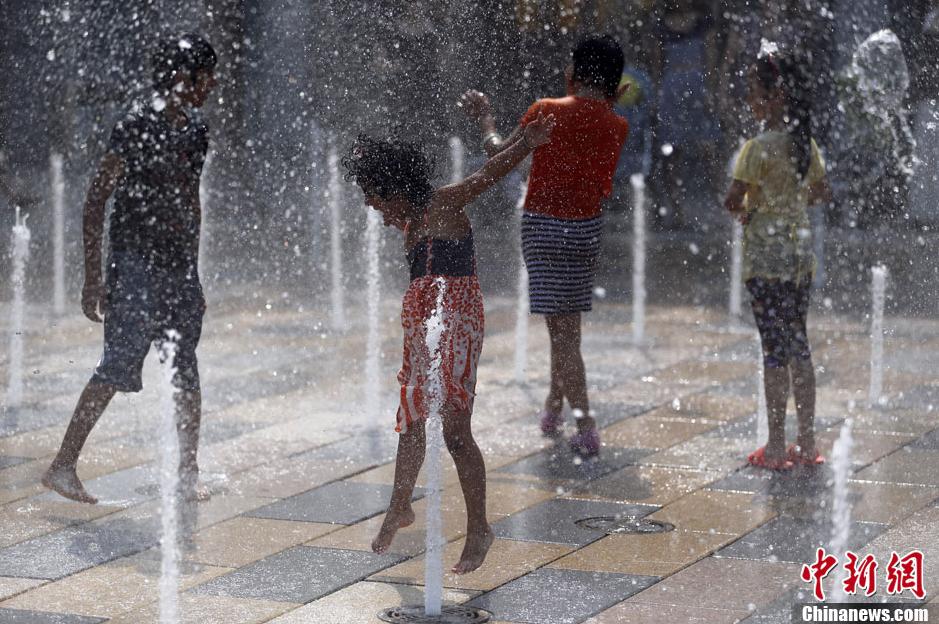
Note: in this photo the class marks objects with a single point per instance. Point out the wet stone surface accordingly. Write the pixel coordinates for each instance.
(796, 539)
(555, 521)
(18, 616)
(340, 502)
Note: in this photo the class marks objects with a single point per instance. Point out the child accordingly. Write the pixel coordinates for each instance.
(777, 175)
(562, 221)
(153, 164)
(394, 176)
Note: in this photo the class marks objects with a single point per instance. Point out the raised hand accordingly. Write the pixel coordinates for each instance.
(538, 132)
(475, 104)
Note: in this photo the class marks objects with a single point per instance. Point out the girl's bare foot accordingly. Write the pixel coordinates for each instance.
(474, 552)
(394, 520)
(64, 481)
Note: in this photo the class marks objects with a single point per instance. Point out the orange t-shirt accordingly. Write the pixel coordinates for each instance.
(574, 171)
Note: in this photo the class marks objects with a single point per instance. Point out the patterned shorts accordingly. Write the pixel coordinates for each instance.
(460, 345)
(780, 309)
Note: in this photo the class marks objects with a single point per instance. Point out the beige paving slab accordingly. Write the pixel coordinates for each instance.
(243, 540)
(197, 609)
(110, 589)
(723, 584)
(11, 586)
(722, 455)
(648, 431)
(636, 613)
(23, 520)
(507, 559)
(652, 485)
(361, 603)
(868, 446)
(651, 554)
(920, 531)
(714, 510)
(285, 477)
(905, 466)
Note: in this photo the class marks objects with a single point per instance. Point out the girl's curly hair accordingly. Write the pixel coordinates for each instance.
(391, 167)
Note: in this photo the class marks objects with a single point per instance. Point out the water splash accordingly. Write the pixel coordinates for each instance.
(372, 390)
(205, 205)
(638, 183)
(736, 272)
(522, 310)
(56, 171)
(169, 483)
(841, 504)
(457, 159)
(762, 412)
(20, 244)
(433, 562)
(878, 297)
(334, 197)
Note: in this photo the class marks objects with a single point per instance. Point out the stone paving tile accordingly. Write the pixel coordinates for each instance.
(713, 583)
(637, 613)
(24, 520)
(122, 488)
(559, 596)
(111, 589)
(507, 560)
(708, 510)
(703, 453)
(652, 554)
(361, 603)
(905, 466)
(27, 417)
(243, 540)
(795, 539)
(10, 586)
(918, 531)
(298, 575)
(76, 548)
(17, 616)
(645, 484)
(649, 432)
(554, 521)
(340, 502)
(927, 442)
(559, 464)
(196, 609)
(7, 460)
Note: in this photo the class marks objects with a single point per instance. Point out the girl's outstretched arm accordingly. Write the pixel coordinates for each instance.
(477, 107)
(536, 133)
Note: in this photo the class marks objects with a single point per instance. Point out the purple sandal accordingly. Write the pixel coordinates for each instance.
(551, 424)
(586, 444)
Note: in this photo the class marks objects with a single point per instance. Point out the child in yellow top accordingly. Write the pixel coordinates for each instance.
(778, 174)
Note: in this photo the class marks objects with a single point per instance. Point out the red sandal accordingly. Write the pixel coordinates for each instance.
(797, 457)
(758, 458)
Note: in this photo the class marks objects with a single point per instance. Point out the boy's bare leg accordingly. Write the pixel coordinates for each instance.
(803, 389)
(565, 340)
(776, 387)
(61, 475)
(554, 404)
(189, 418)
(471, 469)
(407, 465)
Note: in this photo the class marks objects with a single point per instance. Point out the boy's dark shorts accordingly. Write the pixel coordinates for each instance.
(780, 309)
(143, 303)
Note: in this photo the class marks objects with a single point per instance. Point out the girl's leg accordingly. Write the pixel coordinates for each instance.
(472, 472)
(776, 387)
(766, 302)
(407, 465)
(803, 389)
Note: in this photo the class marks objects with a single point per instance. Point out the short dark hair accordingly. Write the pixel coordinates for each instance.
(391, 167)
(598, 61)
(789, 74)
(185, 52)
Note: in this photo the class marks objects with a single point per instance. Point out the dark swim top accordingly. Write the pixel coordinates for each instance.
(449, 258)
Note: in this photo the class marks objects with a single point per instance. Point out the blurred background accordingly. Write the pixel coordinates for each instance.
(297, 75)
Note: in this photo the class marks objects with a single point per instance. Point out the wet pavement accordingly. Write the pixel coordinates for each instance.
(301, 476)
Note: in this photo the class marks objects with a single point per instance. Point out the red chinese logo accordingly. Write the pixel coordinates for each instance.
(861, 574)
(818, 571)
(906, 573)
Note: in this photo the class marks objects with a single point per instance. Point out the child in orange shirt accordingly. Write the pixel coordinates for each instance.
(562, 222)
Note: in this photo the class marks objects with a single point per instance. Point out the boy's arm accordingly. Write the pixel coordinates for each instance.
(536, 133)
(103, 184)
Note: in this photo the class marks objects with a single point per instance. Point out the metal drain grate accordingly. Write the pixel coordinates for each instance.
(450, 614)
(626, 524)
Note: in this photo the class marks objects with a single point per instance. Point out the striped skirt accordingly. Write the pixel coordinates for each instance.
(561, 257)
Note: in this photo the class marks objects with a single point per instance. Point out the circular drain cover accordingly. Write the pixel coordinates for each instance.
(450, 614)
(625, 524)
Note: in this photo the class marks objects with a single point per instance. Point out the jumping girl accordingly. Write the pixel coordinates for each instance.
(395, 177)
